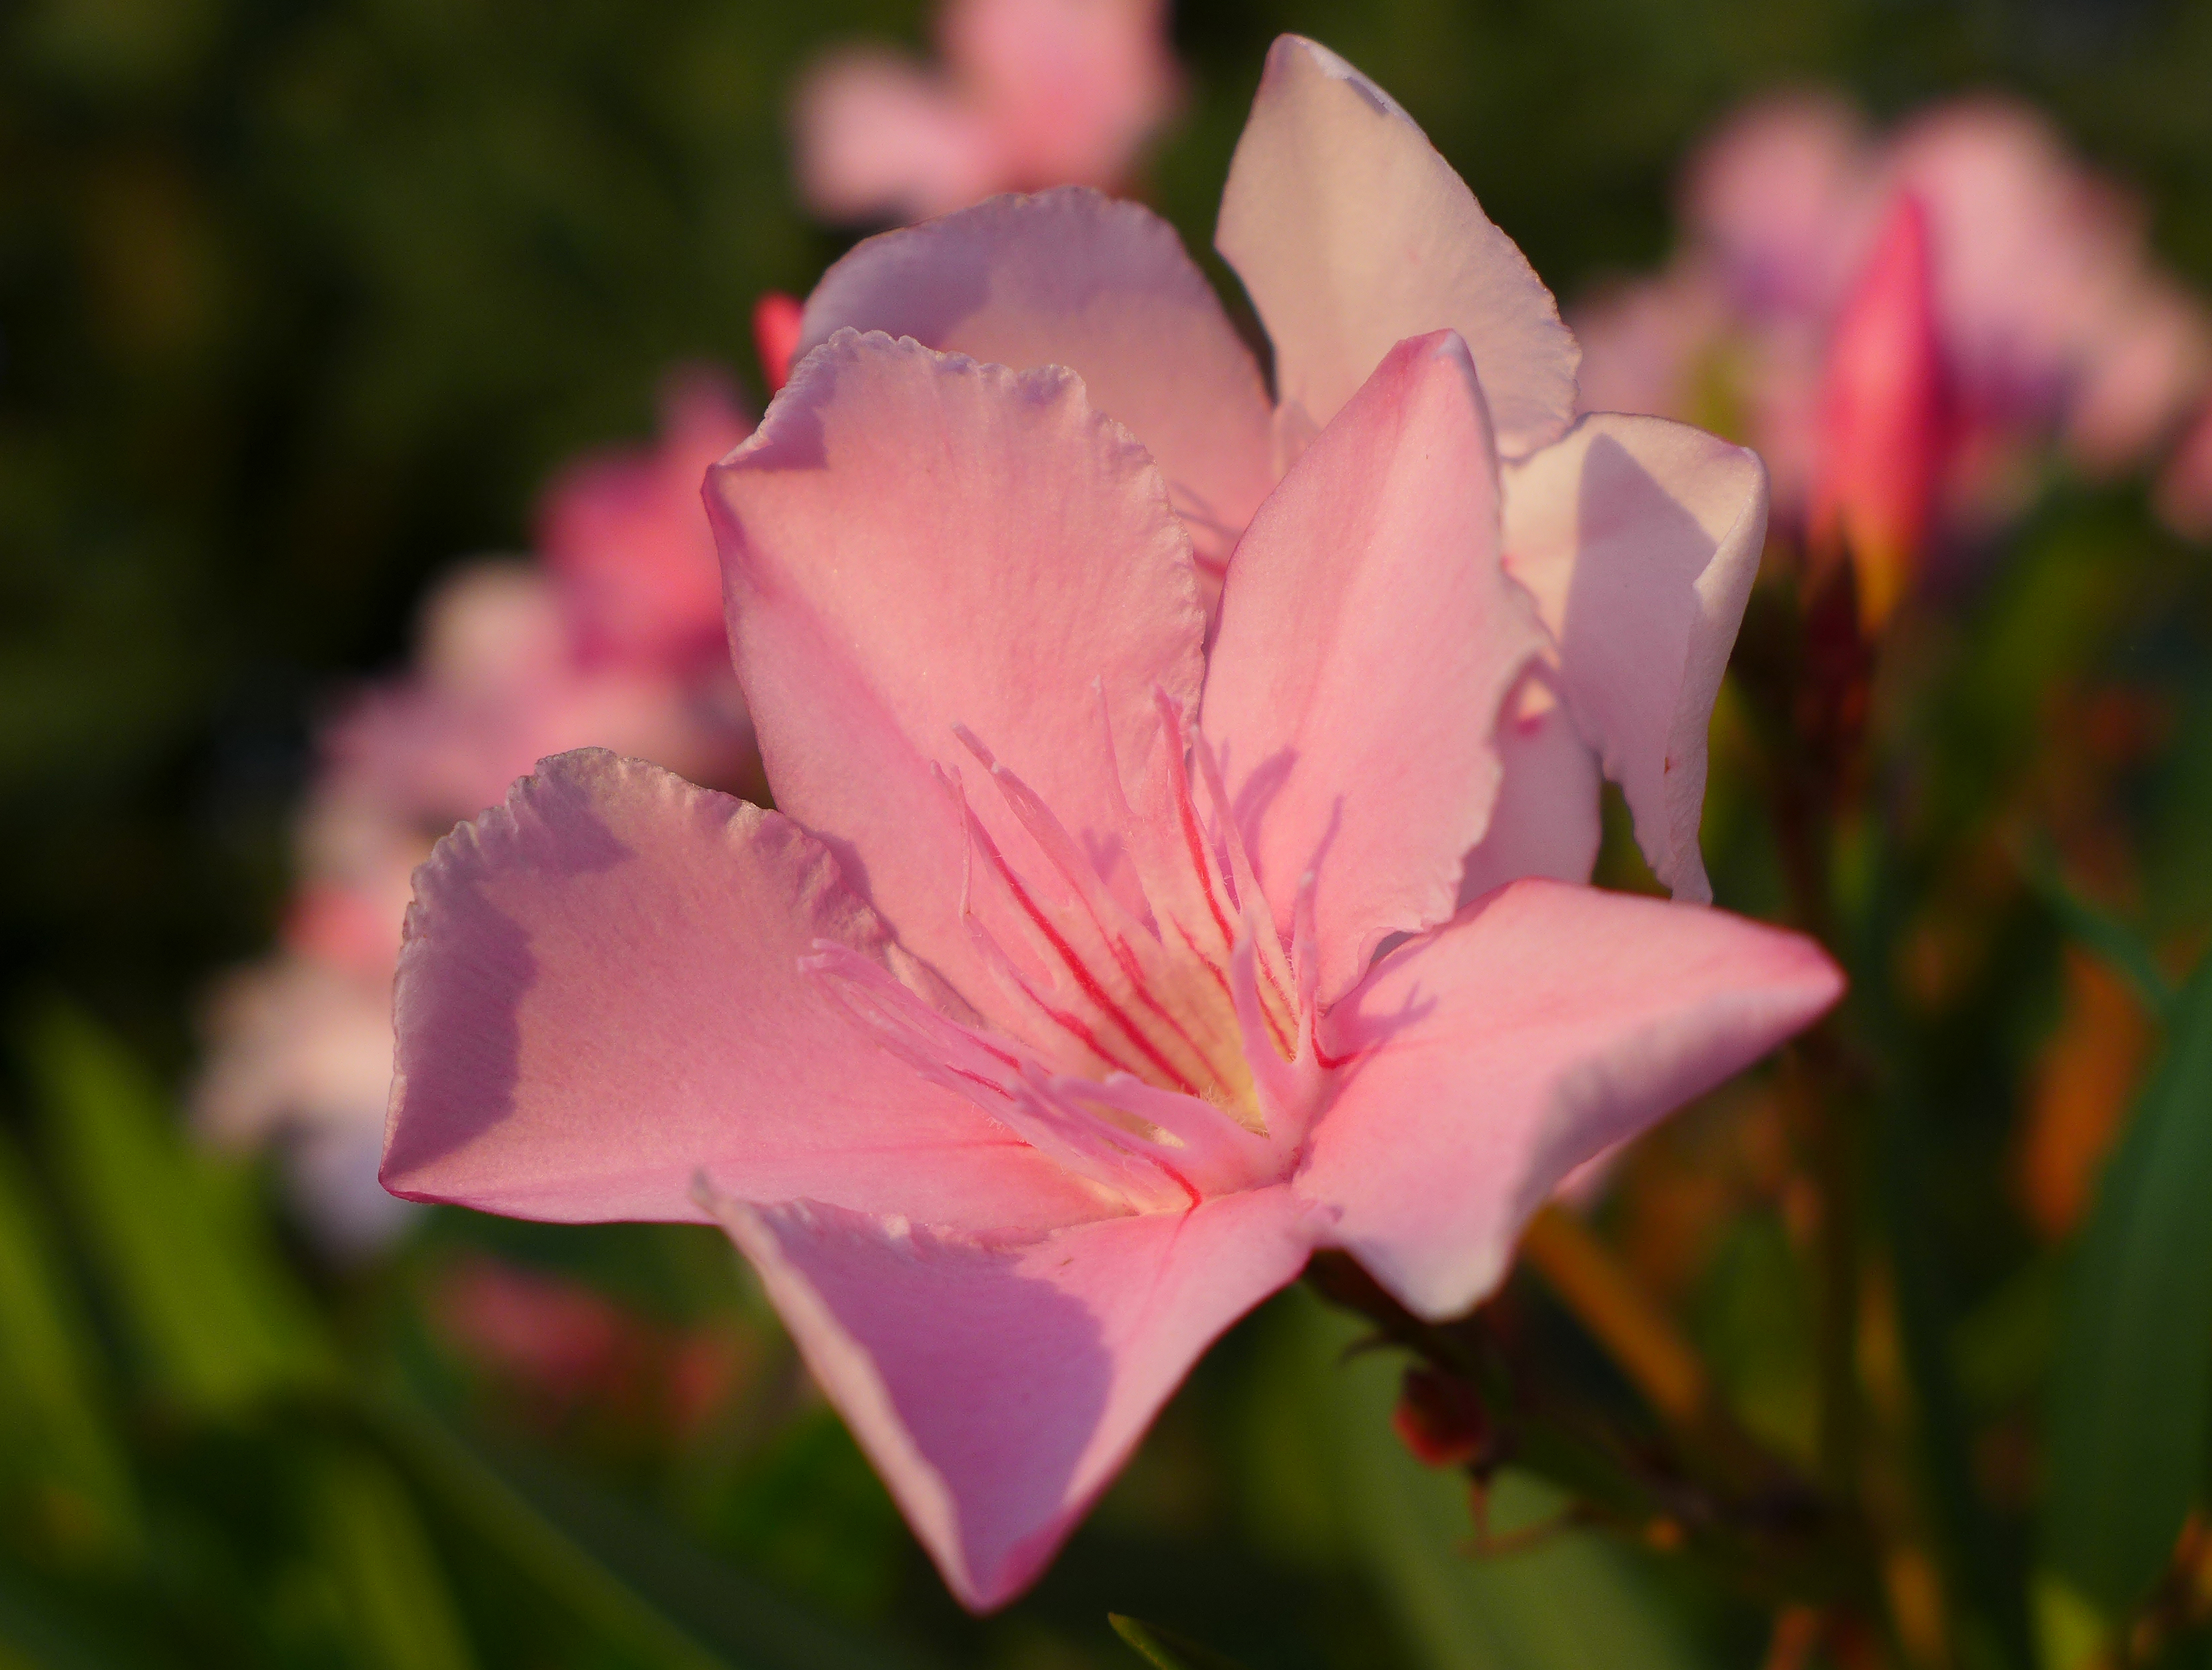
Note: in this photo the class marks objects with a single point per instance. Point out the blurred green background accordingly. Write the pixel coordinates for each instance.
(299, 301)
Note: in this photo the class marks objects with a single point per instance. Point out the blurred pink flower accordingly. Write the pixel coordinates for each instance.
(564, 1349)
(1034, 92)
(2184, 490)
(621, 533)
(615, 640)
(1133, 920)
(2056, 329)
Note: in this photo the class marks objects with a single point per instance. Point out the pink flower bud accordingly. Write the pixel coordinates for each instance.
(1882, 427)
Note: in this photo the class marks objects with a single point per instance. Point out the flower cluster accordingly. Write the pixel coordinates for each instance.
(1907, 327)
(1032, 93)
(613, 636)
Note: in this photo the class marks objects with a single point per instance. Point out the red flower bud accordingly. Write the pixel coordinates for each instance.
(1441, 1419)
(1883, 418)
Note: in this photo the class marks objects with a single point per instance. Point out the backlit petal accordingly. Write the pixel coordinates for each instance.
(1498, 1054)
(600, 993)
(914, 542)
(997, 1388)
(1639, 539)
(1069, 278)
(1352, 233)
(1546, 821)
(1368, 636)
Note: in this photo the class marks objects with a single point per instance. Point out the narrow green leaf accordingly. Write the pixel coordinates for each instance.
(1163, 1650)
(2109, 938)
(1574, 1599)
(398, 1608)
(2132, 1388)
(213, 1316)
(624, 1574)
(60, 1452)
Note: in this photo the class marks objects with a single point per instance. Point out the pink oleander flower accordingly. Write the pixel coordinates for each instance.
(1034, 92)
(1168, 788)
(615, 639)
(2055, 329)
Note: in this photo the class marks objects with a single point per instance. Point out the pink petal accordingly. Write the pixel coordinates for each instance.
(879, 139)
(915, 541)
(1352, 233)
(997, 1388)
(1545, 819)
(295, 1041)
(1501, 1052)
(1368, 636)
(1103, 288)
(1639, 539)
(2145, 368)
(1071, 86)
(1781, 194)
(600, 994)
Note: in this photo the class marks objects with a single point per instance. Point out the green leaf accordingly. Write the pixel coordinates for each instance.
(2109, 938)
(35, 1634)
(399, 1609)
(1575, 1598)
(1163, 1650)
(2132, 1391)
(214, 1316)
(625, 1575)
(60, 1450)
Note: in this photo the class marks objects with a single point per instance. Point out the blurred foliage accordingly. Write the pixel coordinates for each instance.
(299, 300)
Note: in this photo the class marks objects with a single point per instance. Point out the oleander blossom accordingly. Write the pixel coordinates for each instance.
(1172, 793)
(2059, 337)
(614, 637)
(1031, 93)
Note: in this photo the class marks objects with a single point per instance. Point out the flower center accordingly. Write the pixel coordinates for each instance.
(1147, 1029)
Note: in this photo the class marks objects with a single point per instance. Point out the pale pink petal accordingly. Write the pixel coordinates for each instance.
(601, 992)
(999, 1387)
(1105, 289)
(1651, 344)
(1352, 233)
(2145, 368)
(1368, 637)
(1071, 87)
(1781, 195)
(915, 541)
(295, 1041)
(881, 140)
(1546, 820)
(1497, 1054)
(2030, 249)
(489, 626)
(1639, 539)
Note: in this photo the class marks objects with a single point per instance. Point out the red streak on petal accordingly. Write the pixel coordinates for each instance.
(1088, 983)
(1186, 812)
(1220, 975)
